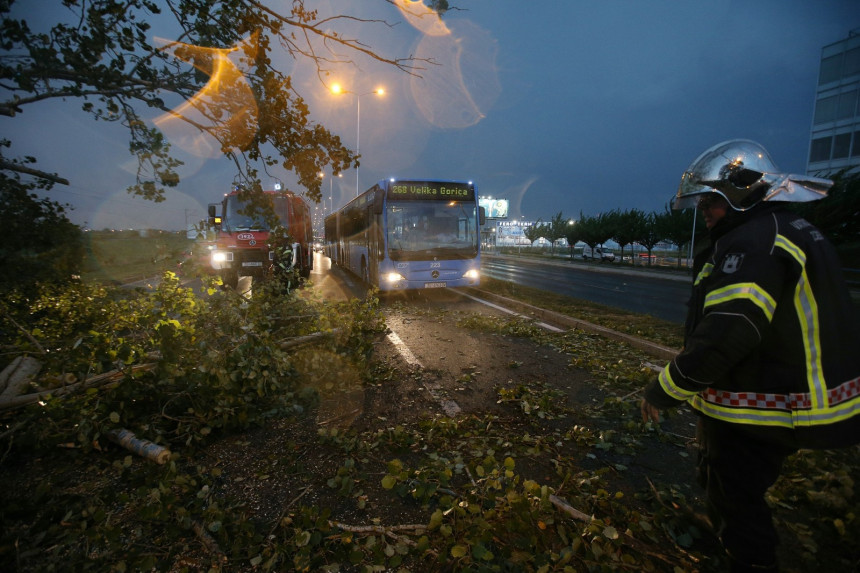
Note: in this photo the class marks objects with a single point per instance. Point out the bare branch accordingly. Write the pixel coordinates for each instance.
(17, 167)
(315, 29)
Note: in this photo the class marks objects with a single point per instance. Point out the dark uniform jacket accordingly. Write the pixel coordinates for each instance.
(772, 342)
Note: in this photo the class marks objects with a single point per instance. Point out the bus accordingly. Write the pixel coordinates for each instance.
(415, 234)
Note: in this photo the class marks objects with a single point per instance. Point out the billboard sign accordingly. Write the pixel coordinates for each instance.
(494, 208)
(511, 236)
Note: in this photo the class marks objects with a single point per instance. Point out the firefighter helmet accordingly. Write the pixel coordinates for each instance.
(743, 172)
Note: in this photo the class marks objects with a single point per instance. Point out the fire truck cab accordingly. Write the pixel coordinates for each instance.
(242, 237)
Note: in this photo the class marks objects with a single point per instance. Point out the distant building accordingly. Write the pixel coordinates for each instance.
(835, 134)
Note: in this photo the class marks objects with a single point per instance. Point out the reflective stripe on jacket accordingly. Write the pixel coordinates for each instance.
(771, 339)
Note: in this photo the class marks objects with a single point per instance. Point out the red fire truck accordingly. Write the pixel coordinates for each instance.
(242, 239)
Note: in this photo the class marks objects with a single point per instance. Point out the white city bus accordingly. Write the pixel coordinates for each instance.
(413, 234)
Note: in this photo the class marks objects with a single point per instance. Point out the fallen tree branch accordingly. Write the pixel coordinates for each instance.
(299, 340)
(380, 529)
(26, 333)
(702, 522)
(208, 542)
(287, 508)
(18, 375)
(628, 539)
(388, 531)
(139, 446)
(338, 417)
(91, 382)
(569, 509)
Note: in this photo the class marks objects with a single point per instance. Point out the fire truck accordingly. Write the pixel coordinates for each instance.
(242, 238)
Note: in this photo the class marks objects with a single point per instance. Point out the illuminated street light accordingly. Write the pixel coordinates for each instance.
(337, 89)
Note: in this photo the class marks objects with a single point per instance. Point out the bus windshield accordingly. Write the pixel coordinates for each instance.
(237, 215)
(417, 229)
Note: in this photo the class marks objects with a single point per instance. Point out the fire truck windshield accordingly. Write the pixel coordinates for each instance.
(238, 216)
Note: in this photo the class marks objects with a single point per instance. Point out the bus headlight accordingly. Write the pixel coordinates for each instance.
(394, 277)
(471, 274)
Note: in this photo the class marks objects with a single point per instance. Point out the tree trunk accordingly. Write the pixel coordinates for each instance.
(18, 375)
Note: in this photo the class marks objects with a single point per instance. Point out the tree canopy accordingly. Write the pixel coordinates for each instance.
(217, 74)
(39, 244)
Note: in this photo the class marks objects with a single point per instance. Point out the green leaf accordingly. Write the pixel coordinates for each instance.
(303, 538)
(840, 526)
(389, 481)
(684, 540)
(482, 553)
(436, 519)
(459, 551)
(610, 532)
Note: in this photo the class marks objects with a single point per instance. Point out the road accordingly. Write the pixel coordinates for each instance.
(637, 291)
(656, 294)
(651, 293)
(455, 369)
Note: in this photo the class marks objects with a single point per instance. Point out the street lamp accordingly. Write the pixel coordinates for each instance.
(337, 89)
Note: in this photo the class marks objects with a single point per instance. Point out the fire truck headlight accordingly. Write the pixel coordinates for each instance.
(471, 274)
(220, 256)
(394, 277)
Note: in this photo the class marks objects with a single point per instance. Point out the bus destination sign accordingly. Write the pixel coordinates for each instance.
(446, 191)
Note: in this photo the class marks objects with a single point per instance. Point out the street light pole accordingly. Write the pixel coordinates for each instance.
(330, 190)
(357, 136)
(337, 89)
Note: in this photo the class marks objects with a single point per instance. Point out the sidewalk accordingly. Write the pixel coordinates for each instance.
(605, 267)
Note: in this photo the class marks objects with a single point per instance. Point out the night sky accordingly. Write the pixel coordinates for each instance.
(575, 106)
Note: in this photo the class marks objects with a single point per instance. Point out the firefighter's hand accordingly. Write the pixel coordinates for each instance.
(650, 413)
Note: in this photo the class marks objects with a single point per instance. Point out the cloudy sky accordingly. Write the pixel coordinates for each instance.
(571, 107)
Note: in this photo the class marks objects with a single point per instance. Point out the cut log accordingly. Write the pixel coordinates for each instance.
(143, 448)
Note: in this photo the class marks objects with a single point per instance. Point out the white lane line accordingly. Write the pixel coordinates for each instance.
(450, 407)
(543, 325)
(403, 349)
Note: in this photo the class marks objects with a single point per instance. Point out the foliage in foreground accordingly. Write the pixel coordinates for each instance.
(186, 367)
(482, 493)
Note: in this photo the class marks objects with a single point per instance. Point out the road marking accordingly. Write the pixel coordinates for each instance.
(403, 349)
(543, 325)
(450, 407)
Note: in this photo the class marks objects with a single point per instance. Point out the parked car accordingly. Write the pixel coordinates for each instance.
(598, 253)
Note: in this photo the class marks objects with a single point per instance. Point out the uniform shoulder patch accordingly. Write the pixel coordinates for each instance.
(732, 262)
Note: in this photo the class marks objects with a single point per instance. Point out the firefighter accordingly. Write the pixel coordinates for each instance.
(770, 361)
